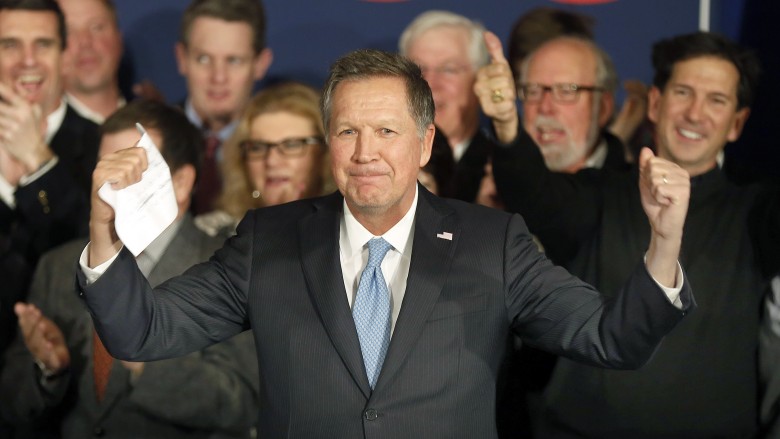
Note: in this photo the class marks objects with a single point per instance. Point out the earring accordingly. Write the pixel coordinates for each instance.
(255, 194)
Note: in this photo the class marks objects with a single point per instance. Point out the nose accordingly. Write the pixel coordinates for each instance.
(546, 104)
(274, 157)
(695, 110)
(218, 72)
(30, 56)
(79, 38)
(364, 149)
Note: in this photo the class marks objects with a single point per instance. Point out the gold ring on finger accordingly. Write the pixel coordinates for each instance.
(496, 95)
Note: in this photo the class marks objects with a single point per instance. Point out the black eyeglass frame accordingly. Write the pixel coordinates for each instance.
(292, 147)
(558, 91)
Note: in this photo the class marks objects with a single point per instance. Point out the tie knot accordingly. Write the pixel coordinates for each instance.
(377, 249)
(212, 143)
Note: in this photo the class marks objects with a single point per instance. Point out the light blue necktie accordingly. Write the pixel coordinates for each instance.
(372, 310)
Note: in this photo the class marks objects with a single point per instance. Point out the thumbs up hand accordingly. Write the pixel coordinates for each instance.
(495, 88)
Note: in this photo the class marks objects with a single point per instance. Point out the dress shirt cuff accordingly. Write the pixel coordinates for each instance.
(93, 274)
(773, 306)
(672, 293)
(7, 193)
(46, 167)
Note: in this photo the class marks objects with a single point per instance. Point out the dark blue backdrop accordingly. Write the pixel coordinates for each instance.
(307, 35)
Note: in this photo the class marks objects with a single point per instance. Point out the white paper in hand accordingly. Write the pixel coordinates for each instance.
(145, 209)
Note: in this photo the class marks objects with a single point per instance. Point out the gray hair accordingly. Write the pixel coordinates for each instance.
(606, 76)
(478, 53)
(368, 63)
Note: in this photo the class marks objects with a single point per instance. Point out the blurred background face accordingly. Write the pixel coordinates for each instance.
(564, 132)
(442, 54)
(31, 56)
(280, 178)
(220, 66)
(94, 50)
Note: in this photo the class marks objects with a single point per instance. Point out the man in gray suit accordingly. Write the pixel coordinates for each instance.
(412, 348)
(210, 393)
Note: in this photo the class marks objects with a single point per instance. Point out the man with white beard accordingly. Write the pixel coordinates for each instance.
(566, 86)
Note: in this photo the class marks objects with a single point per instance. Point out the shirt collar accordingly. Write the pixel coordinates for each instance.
(156, 248)
(598, 157)
(192, 115)
(86, 112)
(398, 236)
(54, 120)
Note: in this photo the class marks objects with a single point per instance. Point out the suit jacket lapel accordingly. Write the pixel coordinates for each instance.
(430, 264)
(182, 253)
(319, 237)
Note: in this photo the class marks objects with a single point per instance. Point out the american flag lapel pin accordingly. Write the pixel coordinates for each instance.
(444, 235)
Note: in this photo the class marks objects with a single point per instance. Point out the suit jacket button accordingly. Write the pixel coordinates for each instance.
(98, 431)
(370, 415)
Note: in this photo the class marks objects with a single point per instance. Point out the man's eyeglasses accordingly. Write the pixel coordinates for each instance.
(296, 147)
(561, 92)
(448, 69)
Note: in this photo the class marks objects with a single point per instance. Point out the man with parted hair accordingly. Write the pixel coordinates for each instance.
(47, 151)
(382, 311)
(221, 53)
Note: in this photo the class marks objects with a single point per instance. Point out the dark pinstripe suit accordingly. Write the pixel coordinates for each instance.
(281, 276)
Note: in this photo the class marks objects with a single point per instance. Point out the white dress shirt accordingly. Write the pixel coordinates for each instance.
(353, 251)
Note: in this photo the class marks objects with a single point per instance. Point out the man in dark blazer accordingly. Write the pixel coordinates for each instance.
(47, 151)
(209, 393)
(458, 279)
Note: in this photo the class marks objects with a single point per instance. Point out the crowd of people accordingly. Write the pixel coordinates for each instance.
(636, 294)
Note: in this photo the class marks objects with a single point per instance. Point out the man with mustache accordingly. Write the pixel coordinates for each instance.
(567, 87)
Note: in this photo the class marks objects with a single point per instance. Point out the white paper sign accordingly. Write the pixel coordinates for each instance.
(145, 209)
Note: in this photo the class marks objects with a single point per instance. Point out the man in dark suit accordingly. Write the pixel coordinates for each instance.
(47, 151)
(209, 393)
(412, 348)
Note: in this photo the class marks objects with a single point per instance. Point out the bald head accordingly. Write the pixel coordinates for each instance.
(567, 128)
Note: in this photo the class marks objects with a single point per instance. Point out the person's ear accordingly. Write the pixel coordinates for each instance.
(183, 184)
(262, 62)
(740, 118)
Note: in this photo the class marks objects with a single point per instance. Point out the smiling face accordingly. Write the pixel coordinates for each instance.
(94, 49)
(220, 66)
(280, 178)
(30, 56)
(696, 112)
(565, 133)
(376, 150)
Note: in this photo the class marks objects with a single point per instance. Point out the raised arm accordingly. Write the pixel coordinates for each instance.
(496, 90)
(120, 169)
(665, 189)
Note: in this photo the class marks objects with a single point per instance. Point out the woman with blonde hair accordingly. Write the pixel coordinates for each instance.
(277, 154)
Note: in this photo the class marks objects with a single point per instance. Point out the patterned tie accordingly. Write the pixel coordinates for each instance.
(101, 365)
(209, 180)
(372, 311)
